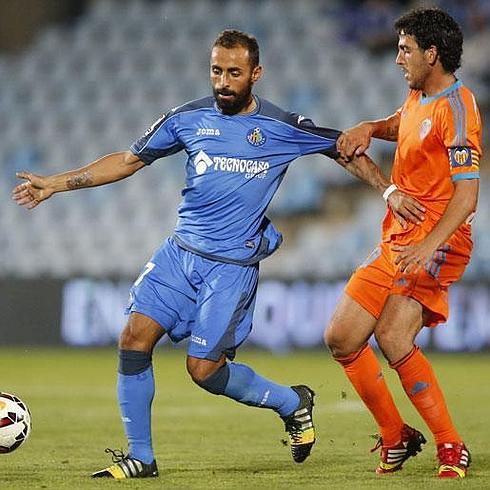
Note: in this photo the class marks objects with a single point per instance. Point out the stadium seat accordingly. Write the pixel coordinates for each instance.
(93, 87)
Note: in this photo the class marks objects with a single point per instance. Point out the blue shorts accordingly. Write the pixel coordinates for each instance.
(191, 296)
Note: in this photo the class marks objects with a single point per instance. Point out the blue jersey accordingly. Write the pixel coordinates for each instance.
(234, 167)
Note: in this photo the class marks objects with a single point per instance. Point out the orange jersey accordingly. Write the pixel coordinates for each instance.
(439, 142)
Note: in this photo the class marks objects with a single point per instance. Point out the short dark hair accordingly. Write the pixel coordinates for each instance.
(231, 38)
(434, 27)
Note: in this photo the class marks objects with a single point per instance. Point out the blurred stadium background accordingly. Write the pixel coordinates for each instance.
(79, 79)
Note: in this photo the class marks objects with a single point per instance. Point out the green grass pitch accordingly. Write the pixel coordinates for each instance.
(204, 441)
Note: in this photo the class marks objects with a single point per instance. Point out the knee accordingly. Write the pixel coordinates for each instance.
(388, 341)
(337, 342)
(329, 338)
(201, 369)
(197, 374)
(211, 376)
(131, 339)
(127, 338)
(140, 333)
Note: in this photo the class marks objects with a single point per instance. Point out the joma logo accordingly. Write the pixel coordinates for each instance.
(208, 132)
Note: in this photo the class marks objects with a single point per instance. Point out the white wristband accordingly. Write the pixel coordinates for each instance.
(390, 189)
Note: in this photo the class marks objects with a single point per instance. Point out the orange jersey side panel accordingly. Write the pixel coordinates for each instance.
(439, 142)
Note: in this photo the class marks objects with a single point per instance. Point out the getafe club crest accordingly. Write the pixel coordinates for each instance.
(425, 128)
(256, 137)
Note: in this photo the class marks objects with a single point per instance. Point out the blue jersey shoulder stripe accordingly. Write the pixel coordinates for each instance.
(139, 148)
(431, 98)
(268, 109)
(301, 123)
(202, 103)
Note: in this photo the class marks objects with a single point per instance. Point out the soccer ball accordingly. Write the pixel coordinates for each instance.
(15, 422)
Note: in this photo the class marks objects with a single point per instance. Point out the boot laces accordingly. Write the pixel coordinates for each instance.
(379, 443)
(116, 454)
(294, 429)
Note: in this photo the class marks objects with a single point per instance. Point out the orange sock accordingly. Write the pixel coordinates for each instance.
(364, 372)
(421, 386)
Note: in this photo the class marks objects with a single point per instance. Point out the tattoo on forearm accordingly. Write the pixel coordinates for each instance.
(391, 132)
(367, 171)
(81, 180)
(391, 129)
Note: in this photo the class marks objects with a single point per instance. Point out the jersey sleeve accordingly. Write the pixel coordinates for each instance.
(159, 141)
(462, 134)
(314, 139)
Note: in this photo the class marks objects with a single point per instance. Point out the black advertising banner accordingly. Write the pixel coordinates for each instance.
(30, 311)
(288, 315)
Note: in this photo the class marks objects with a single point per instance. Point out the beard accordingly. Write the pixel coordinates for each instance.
(236, 102)
(415, 85)
(417, 78)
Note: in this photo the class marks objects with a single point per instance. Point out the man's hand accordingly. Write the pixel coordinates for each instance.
(412, 257)
(30, 193)
(406, 208)
(354, 141)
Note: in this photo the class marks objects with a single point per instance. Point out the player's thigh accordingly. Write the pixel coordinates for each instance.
(370, 284)
(224, 311)
(350, 327)
(364, 297)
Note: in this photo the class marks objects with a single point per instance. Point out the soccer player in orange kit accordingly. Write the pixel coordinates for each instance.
(403, 284)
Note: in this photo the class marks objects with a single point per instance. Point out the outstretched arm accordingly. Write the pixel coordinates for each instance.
(404, 207)
(356, 140)
(110, 168)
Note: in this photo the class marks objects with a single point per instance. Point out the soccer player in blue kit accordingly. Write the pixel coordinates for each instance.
(202, 282)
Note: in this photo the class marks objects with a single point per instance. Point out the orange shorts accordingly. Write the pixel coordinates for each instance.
(378, 277)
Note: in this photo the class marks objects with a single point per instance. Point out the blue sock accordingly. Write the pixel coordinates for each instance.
(135, 389)
(242, 384)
